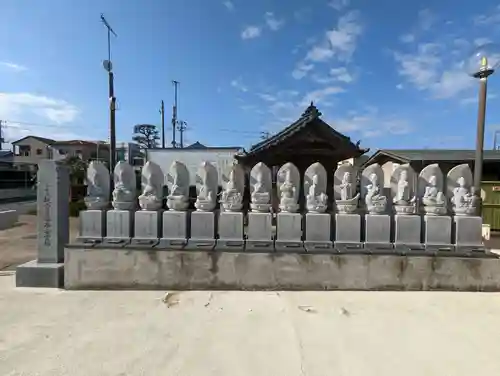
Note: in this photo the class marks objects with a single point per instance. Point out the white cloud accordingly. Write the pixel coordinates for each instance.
(371, 123)
(474, 99)
(481, 41)
(428, 70)
(272, 22)
(426, 19)
(13, 67)
(336, 75)
(301, 70)
(339, 4)
(399, 86)
(407, 38)
(29, 114)
(338, 43)
(251, 32)
(492, 17)
(319, 96)
(229, 5)
(237, 84)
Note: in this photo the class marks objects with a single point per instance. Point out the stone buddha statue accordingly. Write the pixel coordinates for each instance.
(348, 202)
(288, 199)
(463, 201)
(231, 198)
(375, 202)
(433, 199)
(316, 199)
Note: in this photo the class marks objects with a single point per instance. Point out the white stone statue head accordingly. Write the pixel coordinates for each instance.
(433, 180)
(346, 178)
(403, 176)
(315, 179)
(461, 182)
(374, 179)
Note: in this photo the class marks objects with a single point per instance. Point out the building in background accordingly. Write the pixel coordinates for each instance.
(129, 152)
(192, 156)
(30, 150)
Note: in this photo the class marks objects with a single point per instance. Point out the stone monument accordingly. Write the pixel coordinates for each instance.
(318, 223)
(93, 220)
(120, 220)
(467, 226)
(407, 225)
(260, 229)
(437, 225)
(176, 219)
(377, 223)
(289, 222)
(53, 188)
(230, 225)
(203, 220)
(147, 222)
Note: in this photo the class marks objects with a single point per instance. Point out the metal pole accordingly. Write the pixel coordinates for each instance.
(174, 113)
(481, 116)
(162, 112)
(112, 128)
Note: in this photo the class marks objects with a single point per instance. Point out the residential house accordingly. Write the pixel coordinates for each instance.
(30, 150)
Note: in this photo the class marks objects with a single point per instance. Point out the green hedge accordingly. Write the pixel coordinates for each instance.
(75, 207)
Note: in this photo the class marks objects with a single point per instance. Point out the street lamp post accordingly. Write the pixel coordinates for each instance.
(481, 65)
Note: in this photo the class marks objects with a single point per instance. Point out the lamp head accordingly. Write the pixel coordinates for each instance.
(483, 61)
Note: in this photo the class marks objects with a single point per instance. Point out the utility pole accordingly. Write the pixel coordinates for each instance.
(182, 125)
(108, 66)
(1, 135)
(162, 112)
(496, 146)
(174, 112)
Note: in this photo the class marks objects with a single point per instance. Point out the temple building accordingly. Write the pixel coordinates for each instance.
(304, 142)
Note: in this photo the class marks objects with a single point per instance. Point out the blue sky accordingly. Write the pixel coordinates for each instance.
(380, 72)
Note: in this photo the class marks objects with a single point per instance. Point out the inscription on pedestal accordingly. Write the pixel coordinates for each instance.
(119, 227)
(175, 229)
(289, 232)
(348, 230)
(378, 231)
(147, 227)
(318, 232)
(202, 230)
(260, 232)
(92, 226)
(230, 230)
(468, 232)
(407, 231)
(437, 232)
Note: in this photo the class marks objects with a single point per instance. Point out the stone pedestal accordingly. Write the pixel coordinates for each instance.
(289, 233)
(92, 227)
(52, 228)
(147, 228)
(175, 229)
(378, 232)
(260, 232)
(347, 232)
(407, 229)
(230, 226)
(119, 228)
(318, 232)
(202, 231)
(437, 232)
(468, 233)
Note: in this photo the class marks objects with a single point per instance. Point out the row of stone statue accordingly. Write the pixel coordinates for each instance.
(407, 190)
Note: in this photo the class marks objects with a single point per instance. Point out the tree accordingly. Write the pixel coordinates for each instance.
(146, 135)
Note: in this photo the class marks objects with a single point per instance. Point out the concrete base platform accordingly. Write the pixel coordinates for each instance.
(98, 268)
(35, 274)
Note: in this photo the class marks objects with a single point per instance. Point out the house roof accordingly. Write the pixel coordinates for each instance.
(434, 155)
(196, 145)
(6, 153)
(75, 142)
(310, 116)
(47, 141)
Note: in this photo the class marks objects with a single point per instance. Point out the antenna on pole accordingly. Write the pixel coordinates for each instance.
(182, 125)
(162, 112)
(174, 112)
(110, 31)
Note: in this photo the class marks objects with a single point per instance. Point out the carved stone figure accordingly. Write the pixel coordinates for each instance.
(152, 184)
(261, 186)
(288, 183)
(403, 191)
(346, 198)
(207, 191)
(371, 189)
(315, 186)
(98, 186)
(459, 191)
(232, 195)
(178, 197)
(124, 194)
(430, 188)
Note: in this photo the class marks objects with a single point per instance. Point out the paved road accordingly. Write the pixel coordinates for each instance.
(22, 207)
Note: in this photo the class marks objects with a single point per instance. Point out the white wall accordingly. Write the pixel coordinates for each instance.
(192, 158)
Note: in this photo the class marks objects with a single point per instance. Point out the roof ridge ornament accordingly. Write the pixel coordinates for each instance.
(311, 111)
